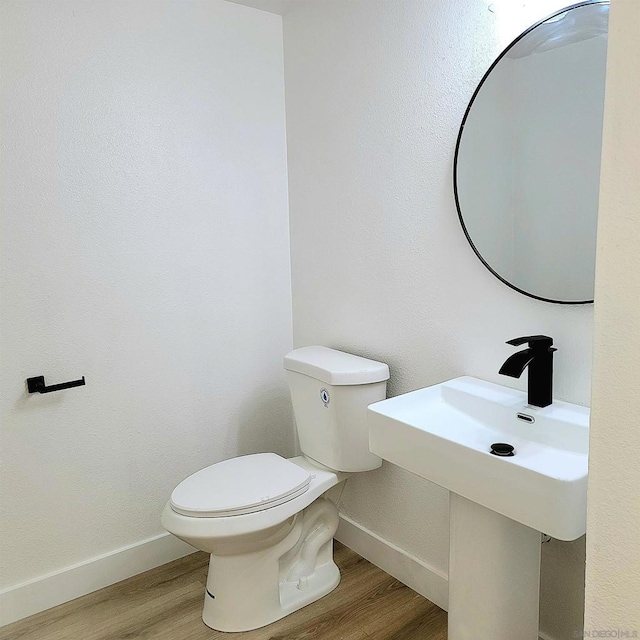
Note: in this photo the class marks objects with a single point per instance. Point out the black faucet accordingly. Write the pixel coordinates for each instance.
(539, 358)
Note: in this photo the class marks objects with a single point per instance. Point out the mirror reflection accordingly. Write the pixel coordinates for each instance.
(527, 162)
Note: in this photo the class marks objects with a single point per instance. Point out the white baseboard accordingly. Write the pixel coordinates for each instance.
(416, 574)
(80, 579)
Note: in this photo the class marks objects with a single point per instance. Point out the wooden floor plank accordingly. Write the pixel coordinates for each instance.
(166, 604)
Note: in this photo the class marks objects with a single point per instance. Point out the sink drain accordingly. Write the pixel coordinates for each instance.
(502, 449)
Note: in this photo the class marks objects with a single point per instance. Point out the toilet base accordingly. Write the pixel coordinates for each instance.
(323, 582)
(251, 590)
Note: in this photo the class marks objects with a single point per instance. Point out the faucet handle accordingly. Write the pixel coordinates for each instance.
(534, 342)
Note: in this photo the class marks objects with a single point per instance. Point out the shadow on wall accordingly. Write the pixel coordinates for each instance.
(562, 591)
(35, 401)
(265, 423)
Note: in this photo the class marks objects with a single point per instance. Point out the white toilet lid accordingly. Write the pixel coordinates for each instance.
(240, 485)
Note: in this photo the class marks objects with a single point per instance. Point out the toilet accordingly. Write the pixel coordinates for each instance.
(263, 518)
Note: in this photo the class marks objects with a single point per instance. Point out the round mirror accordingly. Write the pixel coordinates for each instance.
(527, 161)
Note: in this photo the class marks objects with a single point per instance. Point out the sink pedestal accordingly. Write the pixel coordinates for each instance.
(494, 575)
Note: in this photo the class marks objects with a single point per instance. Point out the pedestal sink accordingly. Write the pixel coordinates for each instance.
(499, 505)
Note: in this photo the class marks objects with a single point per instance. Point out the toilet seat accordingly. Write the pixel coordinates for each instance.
(240, 486)
(222, 529)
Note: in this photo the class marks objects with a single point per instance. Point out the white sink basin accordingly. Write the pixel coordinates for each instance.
(444, 433)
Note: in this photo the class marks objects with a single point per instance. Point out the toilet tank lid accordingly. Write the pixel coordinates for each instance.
(335, 367)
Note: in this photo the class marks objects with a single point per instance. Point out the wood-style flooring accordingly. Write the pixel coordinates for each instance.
(166, 604)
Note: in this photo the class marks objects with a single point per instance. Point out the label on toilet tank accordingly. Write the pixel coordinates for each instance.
(325, 397)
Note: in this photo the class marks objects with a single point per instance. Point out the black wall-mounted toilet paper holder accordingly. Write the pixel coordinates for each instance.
(37, 385)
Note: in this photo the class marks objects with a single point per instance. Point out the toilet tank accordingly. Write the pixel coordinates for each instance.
(330, 392)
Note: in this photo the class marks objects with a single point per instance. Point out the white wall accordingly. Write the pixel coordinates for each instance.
(613, 550)
(145, 246)
(375, 94)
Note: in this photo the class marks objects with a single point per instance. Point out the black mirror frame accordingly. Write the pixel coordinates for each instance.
(459, 139)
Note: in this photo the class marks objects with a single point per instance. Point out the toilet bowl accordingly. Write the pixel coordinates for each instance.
(265, 564)
(262, 518)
